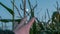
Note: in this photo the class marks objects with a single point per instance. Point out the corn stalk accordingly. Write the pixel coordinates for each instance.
(16, 9)
(32, 15)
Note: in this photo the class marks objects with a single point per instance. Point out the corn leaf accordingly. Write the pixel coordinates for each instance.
(8, 9)
(9, 20)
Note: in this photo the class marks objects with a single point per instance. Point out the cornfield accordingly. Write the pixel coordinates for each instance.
(52, 26)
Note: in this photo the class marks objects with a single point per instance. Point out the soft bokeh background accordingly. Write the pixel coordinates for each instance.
(39, 11)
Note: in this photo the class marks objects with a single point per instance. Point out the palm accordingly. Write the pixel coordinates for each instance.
(25, 28)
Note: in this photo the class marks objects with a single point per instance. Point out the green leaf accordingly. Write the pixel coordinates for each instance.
(8, 9)
(10, 20)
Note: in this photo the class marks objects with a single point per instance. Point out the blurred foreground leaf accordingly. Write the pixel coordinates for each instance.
(8, 9)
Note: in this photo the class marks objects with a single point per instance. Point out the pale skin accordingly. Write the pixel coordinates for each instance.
(25, 28)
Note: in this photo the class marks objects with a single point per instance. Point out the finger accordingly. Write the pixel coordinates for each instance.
(30, 23)
(21, 23)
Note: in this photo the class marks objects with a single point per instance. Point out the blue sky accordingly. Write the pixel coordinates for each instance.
(41, 4)
(39, 11)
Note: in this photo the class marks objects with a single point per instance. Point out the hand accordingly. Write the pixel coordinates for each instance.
(24, 29)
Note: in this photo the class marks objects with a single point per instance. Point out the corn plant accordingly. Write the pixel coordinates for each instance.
(8, 9)
(32, 15)
(38, 26)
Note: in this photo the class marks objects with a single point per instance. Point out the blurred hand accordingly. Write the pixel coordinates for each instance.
(24, 29)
